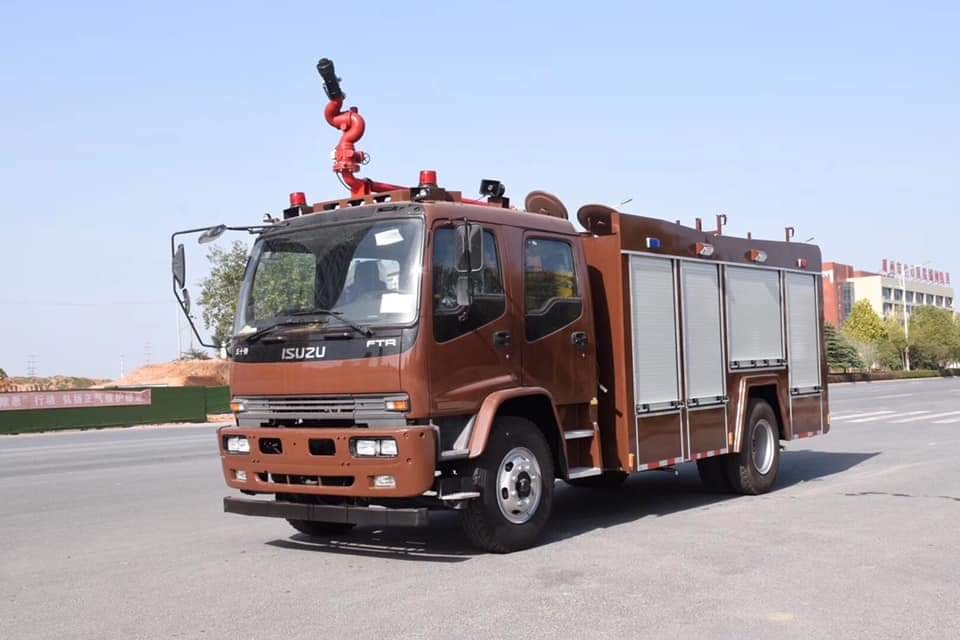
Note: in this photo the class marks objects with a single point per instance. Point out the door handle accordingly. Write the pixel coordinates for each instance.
(579, 338)
(502, 338)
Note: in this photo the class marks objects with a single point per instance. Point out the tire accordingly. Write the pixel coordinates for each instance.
(313, 528)
(713, 474)
(606, 480)
(498, 524)
(754, 469)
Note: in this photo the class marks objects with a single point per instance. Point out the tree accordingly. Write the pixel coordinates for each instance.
(840, 353)
(865, 329)
(934, 338)
(863, 324)
(3, 374)
(220, 290)
(893, 345)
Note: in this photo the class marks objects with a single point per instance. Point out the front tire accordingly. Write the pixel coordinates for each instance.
(754, 469)
(516, 493)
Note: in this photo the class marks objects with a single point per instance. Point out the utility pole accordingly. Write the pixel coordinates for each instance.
(906, 321)
(32, 366)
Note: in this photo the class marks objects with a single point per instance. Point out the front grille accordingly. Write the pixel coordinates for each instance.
(337, 410)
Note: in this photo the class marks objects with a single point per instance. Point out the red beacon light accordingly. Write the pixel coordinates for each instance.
(298, 199)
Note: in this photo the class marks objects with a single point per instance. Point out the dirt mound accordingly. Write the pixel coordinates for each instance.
(181, 373)
(49, 383)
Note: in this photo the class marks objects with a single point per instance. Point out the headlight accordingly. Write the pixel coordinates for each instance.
(388, 448)
(372, 448)
(367, 447)
(238, 444)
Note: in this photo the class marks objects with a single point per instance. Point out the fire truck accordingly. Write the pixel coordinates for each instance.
(406, 349)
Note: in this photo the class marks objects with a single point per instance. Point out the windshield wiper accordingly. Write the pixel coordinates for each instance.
(256, 335)
(365, 331)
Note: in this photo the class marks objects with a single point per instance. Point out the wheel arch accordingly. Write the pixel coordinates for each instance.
(532, 403)
(768, 389)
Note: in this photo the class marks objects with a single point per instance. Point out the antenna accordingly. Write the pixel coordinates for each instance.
(789, 232)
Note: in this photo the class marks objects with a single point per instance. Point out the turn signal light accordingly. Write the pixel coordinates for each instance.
(758, 256)
(236, 406)
(704, 249)
(397, 405)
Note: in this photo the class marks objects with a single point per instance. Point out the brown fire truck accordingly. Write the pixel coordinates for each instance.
(407, 349)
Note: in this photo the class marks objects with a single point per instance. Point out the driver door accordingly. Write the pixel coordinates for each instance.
(475, 348)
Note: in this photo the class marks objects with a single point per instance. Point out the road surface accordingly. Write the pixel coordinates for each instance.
(120, 534)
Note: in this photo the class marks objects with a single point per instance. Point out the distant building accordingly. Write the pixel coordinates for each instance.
(888, 290)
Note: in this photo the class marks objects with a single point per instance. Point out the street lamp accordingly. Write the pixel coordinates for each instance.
(906, 314)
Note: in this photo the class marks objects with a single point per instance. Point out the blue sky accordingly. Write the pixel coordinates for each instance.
(123, 122)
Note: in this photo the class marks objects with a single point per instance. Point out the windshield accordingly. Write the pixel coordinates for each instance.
(367, 272)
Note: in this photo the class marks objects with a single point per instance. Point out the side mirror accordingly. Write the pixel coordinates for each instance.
(469, 247)
(212, 234)
(179, 267)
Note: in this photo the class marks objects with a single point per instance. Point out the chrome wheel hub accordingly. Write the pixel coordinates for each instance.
(519, 485)
(763, 441)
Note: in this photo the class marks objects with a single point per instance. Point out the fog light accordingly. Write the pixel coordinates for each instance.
(388, 447)
(240, 475)
(238, 444)
(366, 447)
(384, 482)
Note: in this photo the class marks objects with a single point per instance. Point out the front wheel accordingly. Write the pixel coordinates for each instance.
(754, 469)
(516, 492)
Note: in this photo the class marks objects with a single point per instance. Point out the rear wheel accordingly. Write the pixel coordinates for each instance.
(754, 469)
(516, 492)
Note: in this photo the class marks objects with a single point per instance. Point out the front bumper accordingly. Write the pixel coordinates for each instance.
(335, 472)
(347, 514)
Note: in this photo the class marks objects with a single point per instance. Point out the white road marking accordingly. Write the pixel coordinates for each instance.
(82, 446)
(949, 421)
(894, 395)
(928, 416)
(915, 416)
(883, 415)
(862, 415)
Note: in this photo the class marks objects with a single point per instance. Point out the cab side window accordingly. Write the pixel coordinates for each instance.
(450, 319)
(551, 291)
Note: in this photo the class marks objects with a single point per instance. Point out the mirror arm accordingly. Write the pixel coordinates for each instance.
(176, 292)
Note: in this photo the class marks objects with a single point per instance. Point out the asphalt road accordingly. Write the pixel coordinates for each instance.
(120, 534)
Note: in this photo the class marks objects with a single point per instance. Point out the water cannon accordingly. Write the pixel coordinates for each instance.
(347, 159)
(331, 83)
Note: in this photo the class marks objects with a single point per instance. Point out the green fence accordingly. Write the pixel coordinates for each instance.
(168, 404)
